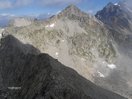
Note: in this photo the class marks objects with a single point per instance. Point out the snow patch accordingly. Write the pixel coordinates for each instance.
(63, 40)
(0, 35)
(51, 25)
(1, 30)
(104, 62)
(100, 74)
(116, 4)
(111, 66)
(57, 54)
(14, 88)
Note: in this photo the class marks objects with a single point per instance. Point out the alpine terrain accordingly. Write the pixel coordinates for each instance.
(97, 47)
(28, 74)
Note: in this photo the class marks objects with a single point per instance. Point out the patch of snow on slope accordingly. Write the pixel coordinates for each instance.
(51, 25)
(111, 66)
(100, 74)
(116, 4)
(0, 35)
(63, 40)
(104, 62)
(56, 54)
(1, 30)
(14, 88)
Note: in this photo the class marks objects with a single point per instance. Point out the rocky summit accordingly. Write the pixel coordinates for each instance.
(119, 19)
(34, 75)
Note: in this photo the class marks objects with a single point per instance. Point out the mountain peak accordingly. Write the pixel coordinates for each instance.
(115, 15)
(72, 7)
(71, 11)
(110, 4)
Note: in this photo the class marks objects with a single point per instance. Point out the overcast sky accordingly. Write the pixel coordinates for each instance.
(36, 7)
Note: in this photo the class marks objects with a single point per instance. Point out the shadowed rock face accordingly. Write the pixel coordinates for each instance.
(118, 18)
(115, 15)
(39, 76)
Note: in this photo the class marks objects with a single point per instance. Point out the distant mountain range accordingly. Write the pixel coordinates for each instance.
(7, 19)
(4, 20)
(97, 47)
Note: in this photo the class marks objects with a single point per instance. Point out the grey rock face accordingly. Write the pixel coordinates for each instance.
(31, 76)
(118, 19)
(115, 15)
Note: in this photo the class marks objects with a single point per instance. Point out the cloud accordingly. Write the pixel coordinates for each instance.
(58, 2)
(23, 2)
(7, 15)
(6, 4)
